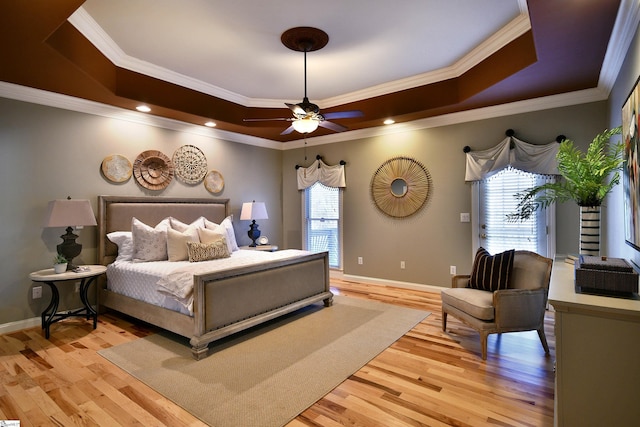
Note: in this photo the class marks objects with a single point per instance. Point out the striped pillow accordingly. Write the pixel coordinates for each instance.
(490, 273)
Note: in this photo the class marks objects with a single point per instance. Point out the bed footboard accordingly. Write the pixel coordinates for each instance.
(226, 303)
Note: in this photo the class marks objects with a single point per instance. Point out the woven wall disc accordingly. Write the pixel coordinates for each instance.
(153, 170)
(214, 181)
(190, 164)
(116, 168)
(417, 187)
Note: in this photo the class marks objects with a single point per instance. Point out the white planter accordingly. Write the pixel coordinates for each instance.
(60, 268)
(590, 230)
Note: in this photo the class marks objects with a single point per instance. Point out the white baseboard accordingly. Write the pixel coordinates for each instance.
(385, 282)
(7, 328)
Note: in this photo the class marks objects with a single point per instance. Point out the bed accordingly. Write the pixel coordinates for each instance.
(223, 302)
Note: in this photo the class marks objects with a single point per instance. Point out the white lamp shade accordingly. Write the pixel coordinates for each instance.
(305, 125)
(253, 210)
(69, 213)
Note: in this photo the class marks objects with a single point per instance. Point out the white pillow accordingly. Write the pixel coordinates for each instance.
(177, 249)
(221, 229)
(211, 236)
(209, 224)
(149, 244)
(182, 227)
(227, 223)
(124, 241)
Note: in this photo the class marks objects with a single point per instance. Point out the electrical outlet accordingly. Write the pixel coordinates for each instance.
(36, 292)
(452, 270)
(402, 265)
(465, 217)
(360, 261)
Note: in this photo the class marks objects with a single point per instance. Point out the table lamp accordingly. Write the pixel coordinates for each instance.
(250, 212)
(70, 213)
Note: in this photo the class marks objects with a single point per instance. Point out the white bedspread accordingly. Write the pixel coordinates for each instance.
(170, 284)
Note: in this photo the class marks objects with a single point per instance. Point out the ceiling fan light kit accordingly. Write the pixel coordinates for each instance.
(305, 125)
(306, 115)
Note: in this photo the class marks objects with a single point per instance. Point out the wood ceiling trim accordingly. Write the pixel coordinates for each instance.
(42, 50)
(71, 44)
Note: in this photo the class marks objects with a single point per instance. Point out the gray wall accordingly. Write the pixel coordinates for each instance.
(49, 153)
(433, 239)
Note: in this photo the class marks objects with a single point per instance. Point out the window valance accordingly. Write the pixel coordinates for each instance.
(539, 159)
(319, 171)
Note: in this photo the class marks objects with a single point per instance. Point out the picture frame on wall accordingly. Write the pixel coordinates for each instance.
(631, 168)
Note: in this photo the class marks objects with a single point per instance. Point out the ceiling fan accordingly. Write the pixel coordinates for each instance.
(306, 115)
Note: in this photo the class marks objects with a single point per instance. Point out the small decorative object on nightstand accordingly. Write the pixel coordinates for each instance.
(59, 264)
(252, 211)
(87, 274)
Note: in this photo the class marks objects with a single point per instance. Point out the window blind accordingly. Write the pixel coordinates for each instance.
(498, 201)
(322, 216)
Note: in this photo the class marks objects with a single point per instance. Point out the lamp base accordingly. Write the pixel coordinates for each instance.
(69, 248)
(253, 233)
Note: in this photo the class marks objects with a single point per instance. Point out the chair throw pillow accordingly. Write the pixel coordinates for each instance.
(491, 273)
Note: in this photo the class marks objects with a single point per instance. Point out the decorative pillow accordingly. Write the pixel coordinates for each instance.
(177, 243)
(491, 273)
(124, 241)
(182, 227)
(225, 228)
(209, 224)
(149, 244)
(212, 236)
(227, 223)
(207, 251)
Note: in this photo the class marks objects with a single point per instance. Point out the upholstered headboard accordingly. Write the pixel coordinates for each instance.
(116, 212)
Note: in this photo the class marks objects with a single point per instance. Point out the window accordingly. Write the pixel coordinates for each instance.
(496, 200)
(323, 223)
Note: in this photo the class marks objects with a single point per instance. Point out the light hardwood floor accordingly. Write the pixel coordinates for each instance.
(426, 378)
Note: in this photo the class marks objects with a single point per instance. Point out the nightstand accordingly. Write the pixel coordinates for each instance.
(267, 248)
(86, 277)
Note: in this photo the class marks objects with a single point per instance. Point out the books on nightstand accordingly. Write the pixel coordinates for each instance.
(571, 259)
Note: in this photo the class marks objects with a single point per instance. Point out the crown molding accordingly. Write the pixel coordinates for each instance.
(627, 22)
(502, 110)
(51, 99)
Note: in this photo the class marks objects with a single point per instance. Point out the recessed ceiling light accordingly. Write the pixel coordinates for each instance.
(210, 124)
(389, 122)
(143, 108)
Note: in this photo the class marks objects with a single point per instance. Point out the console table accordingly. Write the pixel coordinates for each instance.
(597, 355)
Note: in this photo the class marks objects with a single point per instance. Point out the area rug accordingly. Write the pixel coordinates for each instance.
(271, 373)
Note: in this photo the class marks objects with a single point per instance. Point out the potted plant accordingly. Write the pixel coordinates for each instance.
(59, 263)
(586, 178)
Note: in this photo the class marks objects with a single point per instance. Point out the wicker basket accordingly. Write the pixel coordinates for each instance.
(611, 275)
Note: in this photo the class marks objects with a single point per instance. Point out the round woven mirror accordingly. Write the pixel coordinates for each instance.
(400, 187)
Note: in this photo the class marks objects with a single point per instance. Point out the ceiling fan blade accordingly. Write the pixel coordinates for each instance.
(333, 126)
(263, 120)
(287, 131)
(295, 108)
(343, 114)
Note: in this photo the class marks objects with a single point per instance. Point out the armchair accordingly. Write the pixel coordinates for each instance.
(521, 307)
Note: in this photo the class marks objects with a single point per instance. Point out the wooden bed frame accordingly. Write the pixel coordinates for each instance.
(224, 302)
